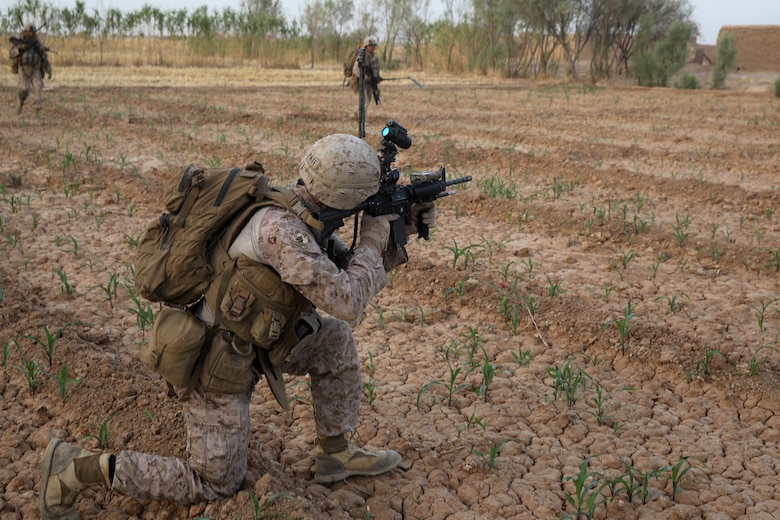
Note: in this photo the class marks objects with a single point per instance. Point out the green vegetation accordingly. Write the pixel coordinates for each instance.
(259, 33)
(724, 60)
(657, 61)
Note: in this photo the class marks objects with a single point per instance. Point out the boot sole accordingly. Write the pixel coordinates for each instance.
(46, 463)
(338, 476)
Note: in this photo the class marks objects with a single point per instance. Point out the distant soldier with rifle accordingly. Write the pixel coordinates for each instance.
(369, 62)
(30, 61)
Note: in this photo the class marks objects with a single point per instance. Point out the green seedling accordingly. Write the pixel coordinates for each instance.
(50, 339)
(488, 373)
(452, 386)
(680, 229)
(380, 316)
(523, 357)
(702, 368)
(144, 314)
(678, 471)
(30, 369)
(601, 402)
(458, 289)
(567, 379)
(110, 288)
(473, 419)
(654, 267)
(63, 381)
(494, 448)
(103, 434)
(587, 492)
(607, 290)
(553, 289)
(261, 509)
(761, 312)
(624, 325)
(754, 364)
(7, 351)
(674, 306)
(65, 288)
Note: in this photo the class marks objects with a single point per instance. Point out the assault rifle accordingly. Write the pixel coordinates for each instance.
(393, 198)
(35, 44)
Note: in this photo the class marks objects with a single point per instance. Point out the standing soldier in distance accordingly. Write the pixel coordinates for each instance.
(371, 70)
(30, 61)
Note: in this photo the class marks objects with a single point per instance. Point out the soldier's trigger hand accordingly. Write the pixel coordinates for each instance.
(375, 231)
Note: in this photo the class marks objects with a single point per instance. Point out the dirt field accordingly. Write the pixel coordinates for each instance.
(600, 305)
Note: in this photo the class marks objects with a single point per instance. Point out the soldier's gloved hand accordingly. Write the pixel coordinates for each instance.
(49, 75)
(422, 213)
(375, 231)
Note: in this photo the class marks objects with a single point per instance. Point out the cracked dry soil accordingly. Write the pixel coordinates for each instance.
(584, 200)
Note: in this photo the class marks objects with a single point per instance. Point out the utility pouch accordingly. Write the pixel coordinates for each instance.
(227, 367)
(173, 352)
(296, 340)
(257, 305)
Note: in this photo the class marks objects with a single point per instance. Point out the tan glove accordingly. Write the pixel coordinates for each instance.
(375, 231)
(423, 212)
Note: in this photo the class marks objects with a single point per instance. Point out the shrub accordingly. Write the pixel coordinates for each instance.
(656, 61)
(689, 82)
(726, 55)
(777, 88)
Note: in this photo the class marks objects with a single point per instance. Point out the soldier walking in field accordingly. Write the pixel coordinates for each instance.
(371, 70)
(30, 61)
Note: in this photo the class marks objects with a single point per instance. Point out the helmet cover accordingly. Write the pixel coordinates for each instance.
(340, 171)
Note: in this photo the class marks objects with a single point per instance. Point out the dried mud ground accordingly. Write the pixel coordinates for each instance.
(600, 305)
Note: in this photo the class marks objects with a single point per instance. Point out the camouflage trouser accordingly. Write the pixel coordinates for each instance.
(31, 82)
(218, 426)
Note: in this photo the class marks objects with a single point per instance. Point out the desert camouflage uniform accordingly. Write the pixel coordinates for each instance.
(372, 76)
(30, 63)
(218, 424)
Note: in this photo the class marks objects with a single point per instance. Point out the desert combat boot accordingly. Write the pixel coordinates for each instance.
(350, 461)
(66, 469)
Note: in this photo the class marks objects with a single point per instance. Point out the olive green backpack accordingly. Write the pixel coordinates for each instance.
(172, 264)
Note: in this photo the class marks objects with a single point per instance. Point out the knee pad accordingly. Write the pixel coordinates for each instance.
(23, 94)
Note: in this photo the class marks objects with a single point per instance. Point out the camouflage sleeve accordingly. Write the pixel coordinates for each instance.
(13, 52)
(278, 238)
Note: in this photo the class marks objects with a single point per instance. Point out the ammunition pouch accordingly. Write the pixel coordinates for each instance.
(30, 57)
(227, 367)
(255, 305)
(175, 350)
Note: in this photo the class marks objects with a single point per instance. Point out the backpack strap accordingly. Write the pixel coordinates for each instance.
(286, 198)
(192, 184)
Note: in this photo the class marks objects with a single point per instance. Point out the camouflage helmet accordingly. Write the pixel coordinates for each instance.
(369, 41)
(340, 171)
(29, 27)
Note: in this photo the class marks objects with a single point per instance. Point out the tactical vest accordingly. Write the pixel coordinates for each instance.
(30, 57)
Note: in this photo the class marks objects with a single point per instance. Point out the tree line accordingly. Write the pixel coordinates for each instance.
(512, 38)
